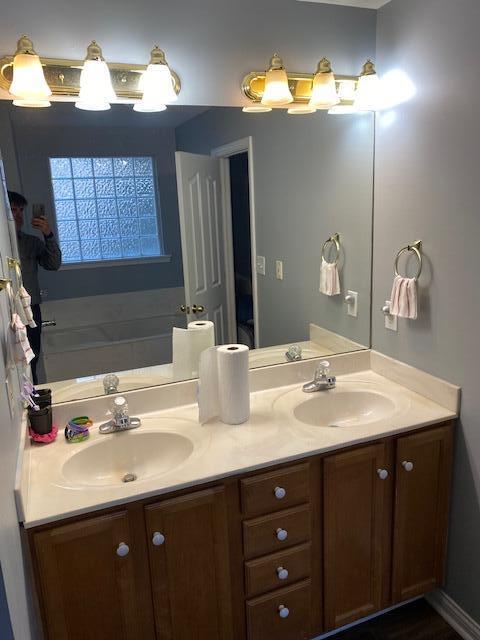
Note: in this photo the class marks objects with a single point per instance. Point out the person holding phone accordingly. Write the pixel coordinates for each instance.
(34, 253)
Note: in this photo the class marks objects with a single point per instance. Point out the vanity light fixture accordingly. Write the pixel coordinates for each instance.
(96, 90)
(277, 92)
(256, 108)
(367, 97)
(324, 90)
(157, 84)
(28, 86)
(301, 109)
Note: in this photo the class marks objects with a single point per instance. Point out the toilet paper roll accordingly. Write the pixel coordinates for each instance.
(224, 389)
(188, 344)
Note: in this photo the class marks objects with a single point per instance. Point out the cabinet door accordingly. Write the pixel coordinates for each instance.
(189, 564)
(357, 527)
(87, 590)
(423, 462)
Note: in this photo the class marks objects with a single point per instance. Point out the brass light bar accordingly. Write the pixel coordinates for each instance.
(300, 84)
(63, 76)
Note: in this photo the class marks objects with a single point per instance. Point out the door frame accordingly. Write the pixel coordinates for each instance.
(224, 152)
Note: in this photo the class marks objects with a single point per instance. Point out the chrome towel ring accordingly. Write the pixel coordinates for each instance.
(416, 247)
(336, 241)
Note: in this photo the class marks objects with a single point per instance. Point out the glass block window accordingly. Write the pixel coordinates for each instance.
(105, 208)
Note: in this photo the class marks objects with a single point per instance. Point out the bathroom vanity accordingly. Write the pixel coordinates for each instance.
(279, 528)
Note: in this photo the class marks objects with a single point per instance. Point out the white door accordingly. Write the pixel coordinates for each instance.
(204, 237)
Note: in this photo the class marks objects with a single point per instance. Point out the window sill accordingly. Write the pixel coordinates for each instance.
(69, 266)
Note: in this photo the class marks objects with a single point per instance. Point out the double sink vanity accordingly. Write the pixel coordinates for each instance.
(320, 510)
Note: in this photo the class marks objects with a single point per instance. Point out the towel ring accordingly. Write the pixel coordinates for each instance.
(416, 247)
(335, 239)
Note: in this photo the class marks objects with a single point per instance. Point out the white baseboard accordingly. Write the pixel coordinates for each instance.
(452, 613)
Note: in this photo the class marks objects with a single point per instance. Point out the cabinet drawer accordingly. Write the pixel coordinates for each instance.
(277, 570)
(264, 619)
(275, 490)
(276, 531)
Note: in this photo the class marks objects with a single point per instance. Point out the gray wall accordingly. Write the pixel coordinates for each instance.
(66, 131)
(210, 43)
(313, 177)
(427, 186)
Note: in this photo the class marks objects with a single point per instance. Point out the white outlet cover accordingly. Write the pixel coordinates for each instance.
(260, 262)
(391, 322)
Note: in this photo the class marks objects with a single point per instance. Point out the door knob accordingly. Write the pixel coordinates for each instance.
(158, 539)
(282, 534)
(283, 611)
(407, 465)
(382, 474)
(198, 308)
(123, 549)
(184, 309)
(282, 573)
(280, 493)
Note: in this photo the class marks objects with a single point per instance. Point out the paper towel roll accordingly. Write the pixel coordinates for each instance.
(224, 389)
(188, 344)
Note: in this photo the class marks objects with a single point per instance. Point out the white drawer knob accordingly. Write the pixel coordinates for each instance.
(283, 611)
(280, 493)
(123, 550)
(282, 534)
(382, 474)
(158, 539)
(407, 465)
(282, 573)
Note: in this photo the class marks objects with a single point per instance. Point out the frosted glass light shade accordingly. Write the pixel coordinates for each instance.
(368, 96)
(256, 108)
(157, 85)
(301, 109)
(96, 90)
(324, 91)
(28, 84)
(277, 92)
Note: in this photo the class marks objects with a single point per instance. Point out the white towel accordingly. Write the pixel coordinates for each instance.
(23, 350)
(403, 299)
(329, 278)
(26, 301)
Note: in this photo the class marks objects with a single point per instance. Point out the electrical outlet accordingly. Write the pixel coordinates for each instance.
(390, 321)
(279, 269)
(260, 265)
(351, 300)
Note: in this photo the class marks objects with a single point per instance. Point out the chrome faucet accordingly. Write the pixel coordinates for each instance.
(121, 421)
(322, 381)
(110, 383)
(294, 353)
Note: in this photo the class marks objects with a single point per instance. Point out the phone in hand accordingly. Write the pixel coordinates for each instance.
(38, 211)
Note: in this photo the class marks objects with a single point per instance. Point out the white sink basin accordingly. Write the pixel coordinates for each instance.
(350, 404)
(131, 455)
(344, 408)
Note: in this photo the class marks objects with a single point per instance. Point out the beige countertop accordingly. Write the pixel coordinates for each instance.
(273, 435)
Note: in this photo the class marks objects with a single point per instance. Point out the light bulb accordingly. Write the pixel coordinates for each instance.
(346, 90)
(28, 84)
(157, 84)
(324, 90)
(96, 89)
(368, 94)
(277, 92)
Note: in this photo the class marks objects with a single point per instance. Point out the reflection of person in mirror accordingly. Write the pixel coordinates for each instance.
(34, 252)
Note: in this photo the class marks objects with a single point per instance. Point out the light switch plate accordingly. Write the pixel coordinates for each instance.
(279, 269)
(352, 307)
(261, 265)
(390, 321)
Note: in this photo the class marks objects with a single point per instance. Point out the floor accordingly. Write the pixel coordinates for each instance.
(415, 621)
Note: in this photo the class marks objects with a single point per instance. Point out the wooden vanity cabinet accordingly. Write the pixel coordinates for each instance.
(287, 552)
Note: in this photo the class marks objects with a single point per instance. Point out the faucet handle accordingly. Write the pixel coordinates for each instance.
(110, 383)
(120, 412)
(322, 369)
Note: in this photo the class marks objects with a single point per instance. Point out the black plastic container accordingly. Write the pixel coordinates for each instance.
(40, 421)
(44, 398)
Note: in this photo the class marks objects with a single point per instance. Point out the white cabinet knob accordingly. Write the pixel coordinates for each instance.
(158, 539)
(282, 534)
(283, 611)
(280, 493)
(282, 573)
(382, 474)
(407, 465)
(123, 550)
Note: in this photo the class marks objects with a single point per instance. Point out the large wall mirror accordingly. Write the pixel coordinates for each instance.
(195, 214)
